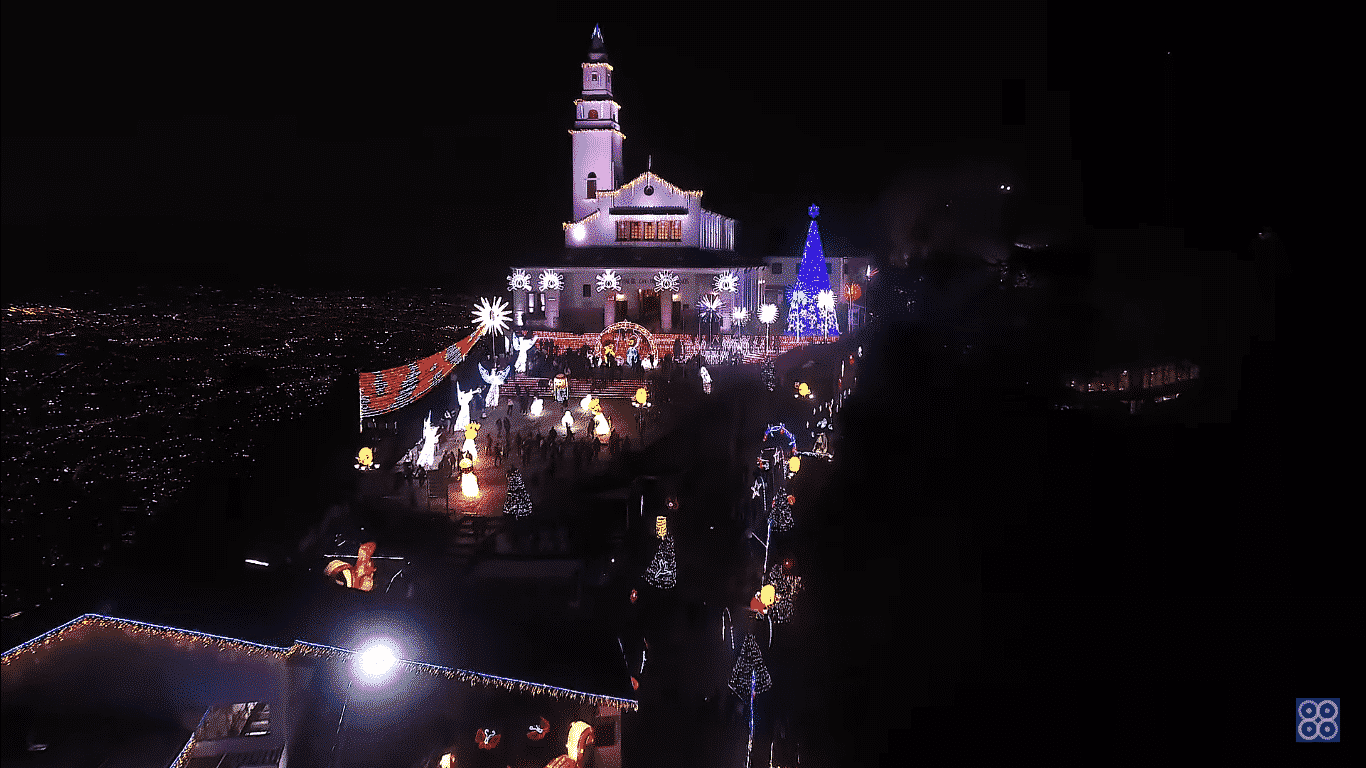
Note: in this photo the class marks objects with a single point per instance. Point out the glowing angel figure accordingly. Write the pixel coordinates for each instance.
(726, 282)
(666, 282)
(519, 280)
(463, 418)
(427, 458)
(567, 422)
(551, 281)
(536, 406)
(601, 426)
(494, 379)
(521, 346)
(609, 280)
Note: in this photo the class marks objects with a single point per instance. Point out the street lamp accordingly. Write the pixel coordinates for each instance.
(373, 667)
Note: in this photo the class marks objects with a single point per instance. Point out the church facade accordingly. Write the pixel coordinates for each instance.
(642, 250)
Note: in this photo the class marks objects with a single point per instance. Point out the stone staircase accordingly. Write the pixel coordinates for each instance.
(624, 388)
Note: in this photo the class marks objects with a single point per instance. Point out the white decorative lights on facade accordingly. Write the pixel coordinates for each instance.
(726, 282)
(519, 280)
(666, 282)
(609, 280)
(739, 315)
(768, 313)
(551, 281)
(710, 305)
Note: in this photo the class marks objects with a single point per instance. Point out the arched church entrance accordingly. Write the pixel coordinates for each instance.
(622, 336)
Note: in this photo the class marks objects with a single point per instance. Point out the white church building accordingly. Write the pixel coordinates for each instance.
(643, 250)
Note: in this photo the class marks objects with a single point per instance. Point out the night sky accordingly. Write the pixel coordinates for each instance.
(260, 147)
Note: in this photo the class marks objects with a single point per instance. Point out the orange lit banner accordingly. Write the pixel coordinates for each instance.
(392, 388)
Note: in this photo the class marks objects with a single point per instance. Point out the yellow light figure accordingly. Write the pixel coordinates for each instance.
(471, 432)
(469, 484)
(803, 390)
(359, 576)
(587, 403)
(794, 464)
(767, 595)
(366, 457)
(661, 526)
(642, 397)
(601, 427)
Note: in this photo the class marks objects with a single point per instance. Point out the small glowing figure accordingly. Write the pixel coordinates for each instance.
(536, 406)
(469, 484)
(427, 458)
(567, 422)
(521, 345)
(464, 397)
(471, 432)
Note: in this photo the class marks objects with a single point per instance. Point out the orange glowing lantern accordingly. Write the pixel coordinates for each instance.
(642, 397)
(365, 457)
(794, 464)
(852, 292)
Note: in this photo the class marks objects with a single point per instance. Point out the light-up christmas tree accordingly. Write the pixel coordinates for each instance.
(807, 314)
(663, 570)
(518, 501)
(780, 517)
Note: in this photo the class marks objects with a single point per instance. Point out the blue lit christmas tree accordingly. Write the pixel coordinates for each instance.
(811, 305)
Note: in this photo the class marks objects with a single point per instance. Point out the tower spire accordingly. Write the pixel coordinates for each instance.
(597, 51)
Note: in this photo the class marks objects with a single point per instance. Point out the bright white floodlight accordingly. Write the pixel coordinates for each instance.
(377, 660)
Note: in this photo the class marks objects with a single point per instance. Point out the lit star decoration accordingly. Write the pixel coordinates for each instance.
(519, 280)
(493, 317)
(710, 305)
(768, 313)
(825, 301)
(666, 282)
(551, 281)
(807, 316)
(726, 282)
(609, 280)
(739, 315)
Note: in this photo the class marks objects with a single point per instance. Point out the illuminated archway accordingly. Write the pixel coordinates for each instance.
(623, 332)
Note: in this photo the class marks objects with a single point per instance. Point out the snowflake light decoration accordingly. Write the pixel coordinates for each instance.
(826, 301)
(492, 317)
(726, 282)
(519, 280)
(666, 282)
(709, 305)
(768, 313)
(609, 280)
(798, 296)
(551, 281)
(739, 315)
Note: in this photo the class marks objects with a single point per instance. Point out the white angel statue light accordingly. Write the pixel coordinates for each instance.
(427, 458)
(521, 345)
(495, 379)
(464, 397)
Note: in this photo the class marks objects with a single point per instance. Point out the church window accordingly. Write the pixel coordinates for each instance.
(587, 291)
(592, 186)
(829, 268)
(595, 77)
(592, 114)
(623, 230)
(677, 231)
(777, 267)
(635, 230)
(649, 233)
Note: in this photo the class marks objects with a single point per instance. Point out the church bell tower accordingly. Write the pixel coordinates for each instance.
(596, 136)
